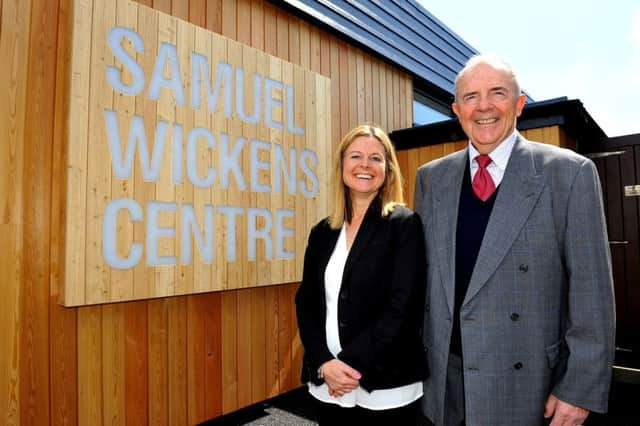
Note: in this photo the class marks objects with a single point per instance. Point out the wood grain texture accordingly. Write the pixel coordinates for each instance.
(35, 362)
(178, 360)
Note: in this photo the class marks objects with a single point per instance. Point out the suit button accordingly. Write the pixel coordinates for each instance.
(342, 324)
(343, 295)
(517, 365)
(427, 308)
(515, 316)
(523, 267)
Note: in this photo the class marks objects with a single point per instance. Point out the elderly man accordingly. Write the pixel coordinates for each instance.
(519, 320)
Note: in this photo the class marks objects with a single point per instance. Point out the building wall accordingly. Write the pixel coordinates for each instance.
(178, 360)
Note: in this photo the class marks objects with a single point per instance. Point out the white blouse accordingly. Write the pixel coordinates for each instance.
(381, 399)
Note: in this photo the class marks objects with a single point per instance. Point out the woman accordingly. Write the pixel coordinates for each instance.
(360, 304)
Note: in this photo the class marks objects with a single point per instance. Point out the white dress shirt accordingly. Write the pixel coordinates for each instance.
(381, 399)
(499, 158)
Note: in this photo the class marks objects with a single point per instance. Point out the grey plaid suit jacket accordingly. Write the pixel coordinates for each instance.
(538, 316)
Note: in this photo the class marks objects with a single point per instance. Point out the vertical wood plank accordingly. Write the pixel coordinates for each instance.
(384, 98)
(325, 55)
(113, 364)
(162, 6)
(352, 93)
(197, 12)
(375, 89)
(282, 36)
(214, 15)
(270, 29)
(335, 98)
(63, 349)
(229, 351)
(34, 307)
(98, 274)
(77, 152)
(184, 194)
(258, 344)
(229, 27)
(397, 101)
(219, 195)
(14, 48)
(272, 382)
(294, 41)
(177, 360)
(284, 338)
(408, 181)
(136, 363)
(203, 268)
(10, 259)
(158, 362)
(305, 45)
(296, 345)
(360, 88)
(368, 89)
(314, 49)
(343, 112)
(390, 98)
(145, 278)
(244, 347)
(213, 361)
(63, 388)
(165, 277)
(257, 24)
(120, 279)
(90, 383)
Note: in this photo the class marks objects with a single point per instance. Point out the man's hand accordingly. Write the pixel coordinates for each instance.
(564, 414)
(340, 378)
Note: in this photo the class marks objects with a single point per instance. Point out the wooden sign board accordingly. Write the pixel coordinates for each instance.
(194, 164)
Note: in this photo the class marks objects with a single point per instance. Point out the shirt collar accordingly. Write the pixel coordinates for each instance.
(500, 154)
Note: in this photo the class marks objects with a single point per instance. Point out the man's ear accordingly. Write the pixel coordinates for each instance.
(454, 107)
(522, 99)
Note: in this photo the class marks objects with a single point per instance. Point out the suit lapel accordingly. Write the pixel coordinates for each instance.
(324, 254)
(365, 234)
(519, 191)
(446, 200)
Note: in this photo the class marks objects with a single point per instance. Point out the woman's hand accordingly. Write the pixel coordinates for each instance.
(340, 378)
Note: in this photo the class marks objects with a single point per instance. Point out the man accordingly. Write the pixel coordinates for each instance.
(519, 319)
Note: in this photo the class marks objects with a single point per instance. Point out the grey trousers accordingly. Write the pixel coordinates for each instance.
(454, 393)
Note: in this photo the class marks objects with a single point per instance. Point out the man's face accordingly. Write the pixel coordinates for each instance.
(487, 106)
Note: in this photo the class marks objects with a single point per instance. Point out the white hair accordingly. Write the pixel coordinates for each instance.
(493, 61)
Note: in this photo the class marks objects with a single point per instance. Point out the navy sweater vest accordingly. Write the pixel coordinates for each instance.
(473, 216)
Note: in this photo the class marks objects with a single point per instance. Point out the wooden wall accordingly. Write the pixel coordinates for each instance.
(167, 361)
(411, 159)
(618, 173)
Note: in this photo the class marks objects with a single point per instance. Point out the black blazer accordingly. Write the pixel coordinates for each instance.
(380, 304)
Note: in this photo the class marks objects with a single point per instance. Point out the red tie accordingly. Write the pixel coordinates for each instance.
(482, 184)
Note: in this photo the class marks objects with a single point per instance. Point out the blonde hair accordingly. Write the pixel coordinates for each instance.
(389, 195)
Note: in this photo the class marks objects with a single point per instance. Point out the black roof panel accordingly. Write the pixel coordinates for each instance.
(401, 31)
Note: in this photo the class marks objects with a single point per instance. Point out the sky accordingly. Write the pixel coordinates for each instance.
(582, 49)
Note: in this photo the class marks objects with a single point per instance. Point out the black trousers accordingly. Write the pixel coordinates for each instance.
(335, 415)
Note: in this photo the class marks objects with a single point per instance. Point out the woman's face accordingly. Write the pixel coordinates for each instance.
(364, 166)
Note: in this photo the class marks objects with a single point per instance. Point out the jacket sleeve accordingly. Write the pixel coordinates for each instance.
(311, 311)
(402, 314)
(590, 332)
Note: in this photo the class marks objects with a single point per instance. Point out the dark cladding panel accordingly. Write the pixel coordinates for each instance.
(401, 31)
